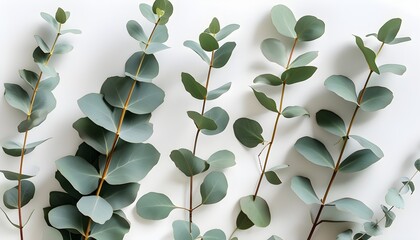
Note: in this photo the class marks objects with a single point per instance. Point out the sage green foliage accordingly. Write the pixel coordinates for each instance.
(394, 199)
(254, 210)
(35, 100)
(101, 178)
(214, 186)
(369, 99)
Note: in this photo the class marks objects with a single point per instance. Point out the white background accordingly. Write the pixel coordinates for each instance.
(104, 46)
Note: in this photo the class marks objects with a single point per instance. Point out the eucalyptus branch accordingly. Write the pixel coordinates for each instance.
(18, 98)
(248, 131)
(316, 152)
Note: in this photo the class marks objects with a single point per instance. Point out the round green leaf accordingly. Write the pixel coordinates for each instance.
(221, 159)
(208, 42)
(302, 187)
(397, 69)
(131, 163)
(189, 164)
(275, 51)
(181, 230)
(220, 117)
(389, 216)
(197, 49)
(51, 234)
(17, 97)
(248, 132)
(50, 19)
(298, 74)
(120, 196)
(66, 217)
(29, 76)
(202, 122)
(266, 101)
(153, 47)
(369, 54)
(114, 228)
(196, 90)
(354, 207)
(376, 98)
(214, 234)
(161, 34)
(61, 16)
(95, 207)
(294, 111)
(369, 145)
(372, 228)
(226, 31)
(394, 198)
(342, 86)
(389, 30)
(284, 20)
(417, 164)
(154, 206)
(214, 188)
(309, 28)
(268, 79)
(10, 197)
(136, 31)
(358, 161)
(165, 12)
(62, 48)
(274, 237)
(314, 151)
(272, 177)
(243, 222)
(135, 128)
(15, 149)
(95, 108)
(256, 210)
(331, 122)
(147, 12)
(49, 84)
(149, 67)
(216, 93)
(214, 26)
(222, 55)
(95, 136)
(304, 59)
(42, 44)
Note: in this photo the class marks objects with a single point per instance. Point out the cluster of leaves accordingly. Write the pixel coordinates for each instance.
(102, 178)
(36, 103)
(254, 209)
(157, 206)
(369, 99)
(394, 199)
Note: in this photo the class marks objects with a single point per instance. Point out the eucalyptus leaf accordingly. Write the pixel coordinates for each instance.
(309, 28)
(417, 164)
(274, 237)
(161, 34)
(275, 51)
(142, 67)
(39, 56)
(394, 198)
(62, 48)
(389, 30)
(268, 79)
(314, 151)
(302, 186)
(294, 111)
(136, 31)
(331, 122)
(369, 55)
(342, 86)
(12, 176)
(397, 69)
(50, 19)
(376, 98)
(257, 210)
(61, 16)
(214, 234)
(29, 76)
(120, 196)
(15, 149)
(369, 145)
(400, 40)
(135, 128)
(49, 84)
(202, 122)
(298, 74)
(304, 59)
(61, 198)
(346, 235)
(243, 222)
(216, 93)
(196, 90)
(82, 176)
(153, 47)
(95, 207)
(373, 229)
(222, 55)
(220, 117)
(9, 220)
(154, 206)
(331, 214)
(113, 229)
(95, 136)
(272, 177)
(214, 26)
(185, 161)
(167, 11)
(95, 108)
(17, 97)
(354, 207)
(197, 49)
(73, 31)
(248, 132)
(208, 42)
(181, 230)
(51, 234)
(214, 188)
(131, 163)
(10, 197)
(266, 101)
(389, 216)
(145, 97)
(66, 217)
(37, 117)
(41, 43)
(284, 20)
(47, 70)
(226, 31)
(221, 159)
(147, 12)
(358, 161)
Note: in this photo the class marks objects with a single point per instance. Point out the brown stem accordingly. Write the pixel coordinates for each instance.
(273, 135)
(25, 138)
(340, 157)
(203, 108)
(117, 134)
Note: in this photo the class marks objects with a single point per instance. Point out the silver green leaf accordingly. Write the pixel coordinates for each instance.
(153, 47)
(95, 136)
(298, 74)
(257, 210)
(216, 93)
(214, 234)
(294, 111)
(358, 161)
(202, 122)
(417, 164)
(394, 198)
(10, 197)
(346, 235)
(113, 229)
(309, 28)
(15, 149)
(195, 88)
(147, 12)
(396, 69)
(274, 237)
(372, 228)
(62, 48)
(66, 217)
(13, 176)
(120, 196)
(268, 79)
(376, 98)
(369, 55)
(221, 159)
(304, 59)
(222, 55)
(248, 132)
(95, 207)
(284, 20)
(220, 117)
(369, 145)
(214, 188)
(354, 207)
(389, 30)
(197, 49)
(50, 19)
(161, 34)
(41, 43)
(389, 216)
(208, 42)
(265, 101)
(142, 67)
(314, 151)
(189, 164)
(154, 206)
(226, 31)
(49, 84)
(51, 234)
(275, 51)
(302, 187)
(181, 230)
(136, 31)
(342, 86)
(17, 97)
(95, 108)
(331, 122)
(29, 76)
